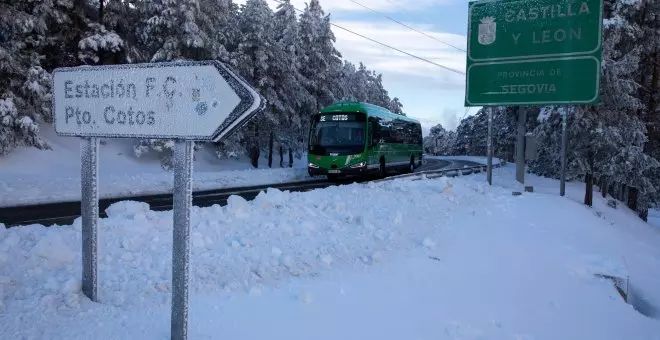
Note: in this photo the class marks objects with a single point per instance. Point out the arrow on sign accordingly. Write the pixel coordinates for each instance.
(186, 100)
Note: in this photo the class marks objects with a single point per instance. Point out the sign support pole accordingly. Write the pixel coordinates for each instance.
(490, 145)
(520, 149)
(89, 211)
(183, 169)
(564, 142)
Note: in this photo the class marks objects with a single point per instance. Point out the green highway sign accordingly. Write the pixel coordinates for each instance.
(512, 29)
(534, 82)
(530, 39)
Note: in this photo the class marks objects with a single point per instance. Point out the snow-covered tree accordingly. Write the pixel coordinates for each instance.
(320, 61)
(396, 106)
(24, 84)
(170, 31)
(100, 45)
(290, 90)
(440, 141)
(256, 58)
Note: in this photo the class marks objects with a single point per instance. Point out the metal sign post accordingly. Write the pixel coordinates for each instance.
(520, 146)
(564, 142)
(182, 204)
(186, 101)
(89, 211)
(490, 145)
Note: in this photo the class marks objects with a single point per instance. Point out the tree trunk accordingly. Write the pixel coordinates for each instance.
(270, 149)
(254, 155)
(589, 192)
(101, 10)
(281, 156)
(589, 180)
(632, 198)
(616, 190)
(603, 187)
(290, 158)
(254, 147)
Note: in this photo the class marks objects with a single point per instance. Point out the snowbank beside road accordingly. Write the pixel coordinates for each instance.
(31, 176)
(440, 259)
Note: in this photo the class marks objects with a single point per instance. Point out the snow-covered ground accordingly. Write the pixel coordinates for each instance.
(654, 218)
(574, 191)
(28, 175)
(427, 259)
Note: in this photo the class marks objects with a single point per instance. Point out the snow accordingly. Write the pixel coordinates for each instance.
(104, 40)
(654, 218)
(30, 176)
(426, 259)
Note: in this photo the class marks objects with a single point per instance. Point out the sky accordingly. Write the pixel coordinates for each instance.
(428, 92)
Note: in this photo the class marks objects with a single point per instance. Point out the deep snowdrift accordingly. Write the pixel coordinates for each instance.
(427, 259)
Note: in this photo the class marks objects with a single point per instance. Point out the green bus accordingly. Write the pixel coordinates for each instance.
(354, 138)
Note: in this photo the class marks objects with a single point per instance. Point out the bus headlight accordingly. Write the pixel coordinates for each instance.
(359, 165)
(312, 165)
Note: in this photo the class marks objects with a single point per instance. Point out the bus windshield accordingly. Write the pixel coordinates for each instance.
(337, 131)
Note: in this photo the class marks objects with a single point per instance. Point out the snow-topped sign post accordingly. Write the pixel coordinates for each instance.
(184, 101)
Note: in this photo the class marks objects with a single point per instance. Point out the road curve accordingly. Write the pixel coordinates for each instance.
(64, 213)
(433, 164)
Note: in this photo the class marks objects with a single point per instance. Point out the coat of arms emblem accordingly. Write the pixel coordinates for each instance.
(487, 31)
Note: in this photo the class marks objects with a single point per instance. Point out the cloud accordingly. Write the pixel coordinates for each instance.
(390, 62)
(385, 6)
(450, 118)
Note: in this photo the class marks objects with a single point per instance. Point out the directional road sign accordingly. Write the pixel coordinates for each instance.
(534, 52)
(185, 100)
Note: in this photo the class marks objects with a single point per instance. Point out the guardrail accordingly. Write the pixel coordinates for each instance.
(453, 172)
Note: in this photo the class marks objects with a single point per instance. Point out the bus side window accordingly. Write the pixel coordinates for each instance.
(370, 132)
(374, 133)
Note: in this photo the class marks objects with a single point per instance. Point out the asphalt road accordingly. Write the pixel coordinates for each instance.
(64, 213)
(433, 164)
(439, 164)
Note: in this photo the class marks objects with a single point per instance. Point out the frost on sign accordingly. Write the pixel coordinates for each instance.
(178, 100)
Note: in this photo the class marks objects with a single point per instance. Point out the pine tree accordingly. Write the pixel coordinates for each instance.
(320, 60)
(396, 106)
(288, 79)
(170, 32)
(440, 141)
(254, 58)
(24, 84)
